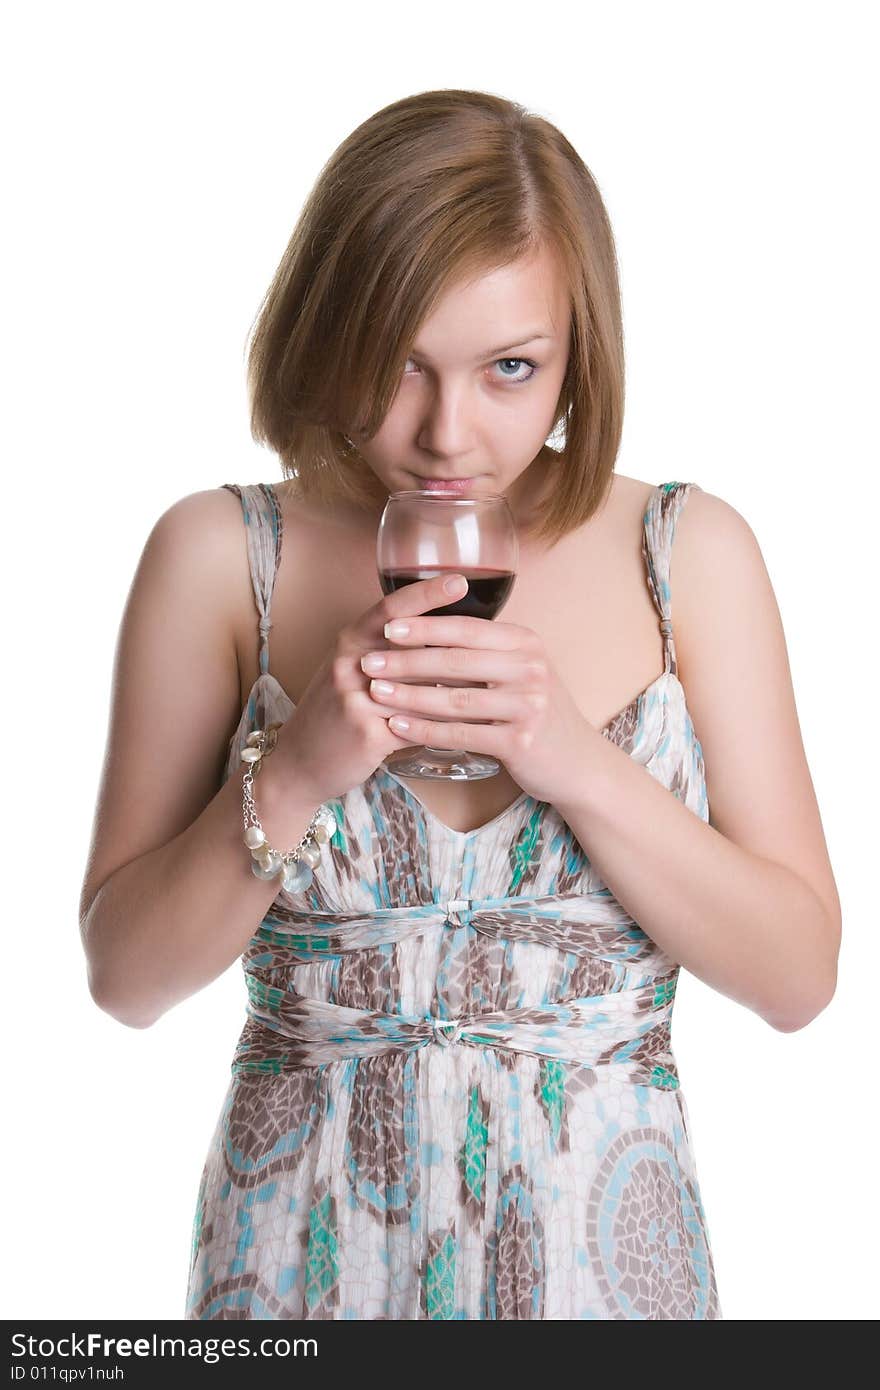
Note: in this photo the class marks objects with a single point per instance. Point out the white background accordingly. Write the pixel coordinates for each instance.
(157, 158)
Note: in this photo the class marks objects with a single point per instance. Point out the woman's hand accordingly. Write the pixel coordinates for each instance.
(532, 723)
(338, 734)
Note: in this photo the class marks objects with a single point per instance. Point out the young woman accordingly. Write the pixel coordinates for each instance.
(454, 1095)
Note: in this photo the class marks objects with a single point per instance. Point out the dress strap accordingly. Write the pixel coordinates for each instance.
(264, 530)
(665, 503)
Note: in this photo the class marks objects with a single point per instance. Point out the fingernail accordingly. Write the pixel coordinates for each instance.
(455, 584)
(374, 662)
(396, 629)
(398, 723)
(382, 688)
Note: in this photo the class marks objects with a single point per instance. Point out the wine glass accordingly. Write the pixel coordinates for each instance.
(424, 534)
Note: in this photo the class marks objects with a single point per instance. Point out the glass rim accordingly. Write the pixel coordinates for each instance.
(450, 496)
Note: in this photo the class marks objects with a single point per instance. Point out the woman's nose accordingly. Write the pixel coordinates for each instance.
(446, 426)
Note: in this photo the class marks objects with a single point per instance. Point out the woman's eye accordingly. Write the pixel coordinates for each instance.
(517, 362)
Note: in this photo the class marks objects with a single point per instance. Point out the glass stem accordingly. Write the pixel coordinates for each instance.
(444, 752)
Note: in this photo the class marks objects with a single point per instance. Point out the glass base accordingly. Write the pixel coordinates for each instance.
(438, 764)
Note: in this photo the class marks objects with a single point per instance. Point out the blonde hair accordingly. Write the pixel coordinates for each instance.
(430, 189)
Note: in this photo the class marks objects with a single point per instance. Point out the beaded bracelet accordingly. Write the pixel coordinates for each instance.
(294, 866)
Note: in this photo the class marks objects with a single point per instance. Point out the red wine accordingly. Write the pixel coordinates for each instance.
(488, 590)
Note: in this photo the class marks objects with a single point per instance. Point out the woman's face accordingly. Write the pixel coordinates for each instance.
(480, 387)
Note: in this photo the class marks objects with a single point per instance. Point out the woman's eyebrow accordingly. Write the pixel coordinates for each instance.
(494, 352)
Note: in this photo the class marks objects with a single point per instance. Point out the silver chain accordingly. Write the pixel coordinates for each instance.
(251, 817)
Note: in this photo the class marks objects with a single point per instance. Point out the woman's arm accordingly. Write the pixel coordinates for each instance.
(747, 902)
(169, 922)
(169, 900)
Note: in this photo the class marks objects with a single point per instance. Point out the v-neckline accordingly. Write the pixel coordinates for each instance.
(432, 816)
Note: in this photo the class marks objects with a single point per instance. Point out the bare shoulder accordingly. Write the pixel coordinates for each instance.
(723, 602)
(734, 666)
(705, 516)
(209, 528)
(714, 545)
(206, 527)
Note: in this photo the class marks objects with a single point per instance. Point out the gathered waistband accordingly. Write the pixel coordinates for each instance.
(629, 1029)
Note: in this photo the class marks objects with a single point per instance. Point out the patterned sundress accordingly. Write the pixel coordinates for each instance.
(454, 1094)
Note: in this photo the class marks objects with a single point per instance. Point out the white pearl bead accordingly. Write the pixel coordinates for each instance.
(311, 855)
(254, 837)
(322, 834)
(251, 755)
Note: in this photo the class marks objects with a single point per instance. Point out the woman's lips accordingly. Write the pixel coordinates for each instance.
(446, 484)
